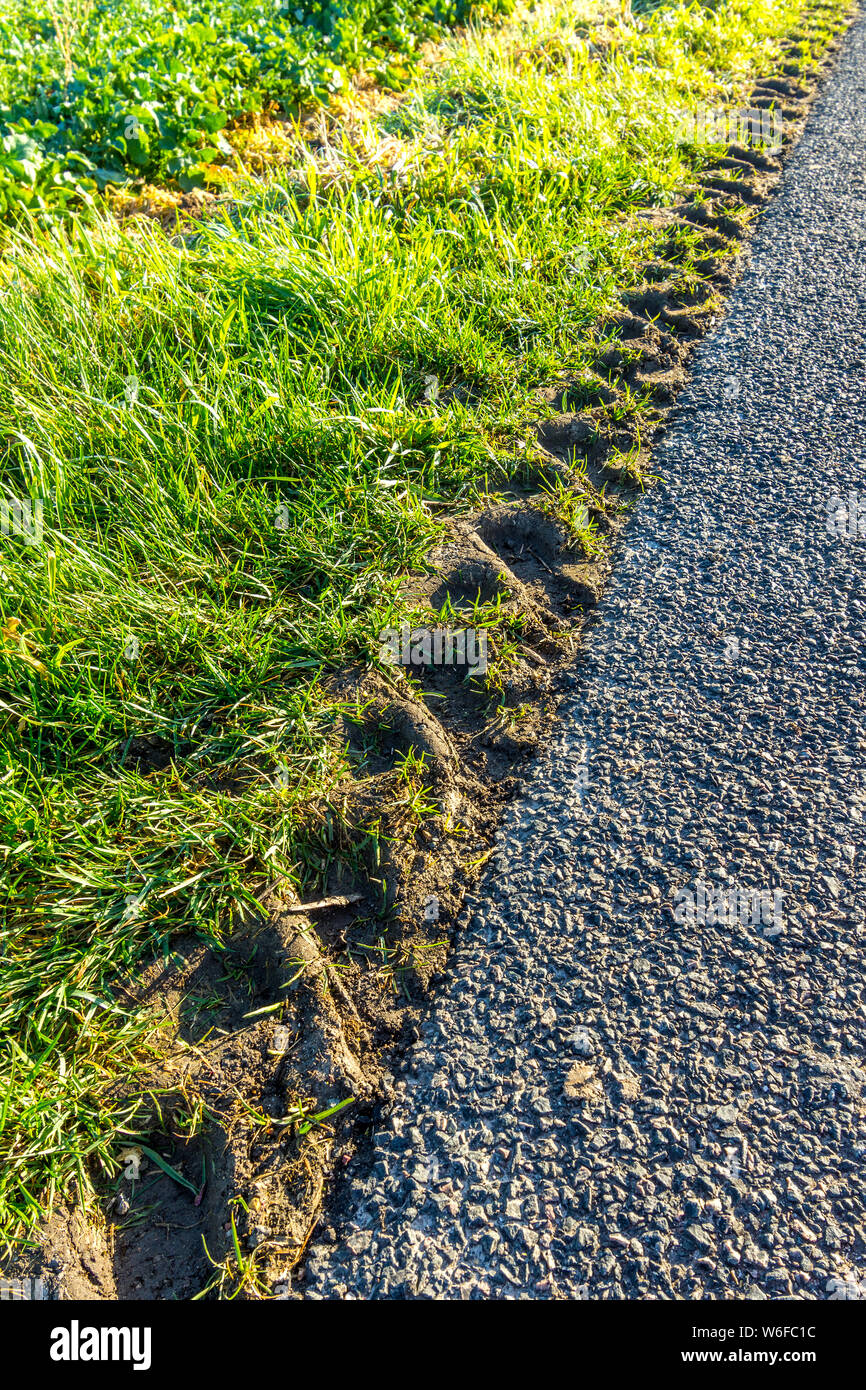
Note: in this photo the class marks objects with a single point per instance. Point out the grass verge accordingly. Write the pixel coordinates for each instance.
(243, 440)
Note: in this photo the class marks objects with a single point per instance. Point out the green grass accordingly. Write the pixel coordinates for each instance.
(239, 463)
(97, 93)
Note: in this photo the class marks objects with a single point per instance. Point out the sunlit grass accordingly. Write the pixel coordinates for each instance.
(240, 457)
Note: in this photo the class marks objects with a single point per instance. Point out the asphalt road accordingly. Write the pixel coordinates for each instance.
(631, 1088)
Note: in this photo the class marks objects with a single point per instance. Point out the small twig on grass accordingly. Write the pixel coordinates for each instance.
(324, 903)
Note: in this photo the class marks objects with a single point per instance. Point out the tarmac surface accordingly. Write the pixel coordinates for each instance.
(644, 1078)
